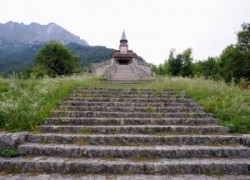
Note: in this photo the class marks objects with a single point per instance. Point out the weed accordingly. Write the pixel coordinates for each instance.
(103, 78)
(144, 159)
(10, 170)
(44, 141)
(162, 134)
(61, 121)
(150, 110)
(82, 142)
(85, 131)
(10, 152)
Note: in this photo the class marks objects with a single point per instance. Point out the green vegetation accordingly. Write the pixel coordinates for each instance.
(150, 110)
(229, 103)
(86, 131)
(56, 60)
(10, 170)
(233, 65)
(144, 159)
(25, 103)
(44, 141)
(10, 152)
(83, 142)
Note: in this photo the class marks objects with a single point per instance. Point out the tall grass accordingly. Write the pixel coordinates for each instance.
(25, 103)
(229, 103)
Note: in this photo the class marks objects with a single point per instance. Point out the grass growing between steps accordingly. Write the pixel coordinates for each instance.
(25, 103)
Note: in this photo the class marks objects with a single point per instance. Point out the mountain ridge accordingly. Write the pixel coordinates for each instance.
(14, 33)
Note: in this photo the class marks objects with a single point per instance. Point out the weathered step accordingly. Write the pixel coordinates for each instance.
(170, 152)
(113, 90)
(129, 104)
(139, 100)
(138, 129)
(124, 166)
(131, 109)
(134, 140)
(131, 121)
(55, 176)
(127, 96)
(149, 93)
(129, 114)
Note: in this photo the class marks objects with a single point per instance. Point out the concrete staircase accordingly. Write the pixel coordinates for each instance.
(124, 73)
(132, 132)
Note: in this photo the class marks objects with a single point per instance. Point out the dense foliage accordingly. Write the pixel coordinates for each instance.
(57, 60)
(233, 65)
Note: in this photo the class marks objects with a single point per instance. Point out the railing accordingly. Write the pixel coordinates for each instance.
(142, 68)
(105, 68)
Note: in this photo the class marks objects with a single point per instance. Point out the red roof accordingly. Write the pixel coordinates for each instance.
(117, 54)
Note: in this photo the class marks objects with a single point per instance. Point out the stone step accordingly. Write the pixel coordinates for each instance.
(131, 109)
(134, 129)
(76, 176)
(94, 95)
(130, 114)
(128, 92)
(133, 90)
(135, 140)
(129, 104)
(169, 152)
(131, 121)
(125, 166)
(124, 69)
(124, 76)
(131, 100)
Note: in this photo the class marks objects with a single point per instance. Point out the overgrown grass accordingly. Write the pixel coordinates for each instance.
(25, 103)
(229, 103)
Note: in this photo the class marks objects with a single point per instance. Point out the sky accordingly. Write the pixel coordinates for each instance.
(152, 27)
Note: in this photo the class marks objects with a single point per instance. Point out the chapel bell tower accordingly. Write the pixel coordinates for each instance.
(123, 44)
(123, 56)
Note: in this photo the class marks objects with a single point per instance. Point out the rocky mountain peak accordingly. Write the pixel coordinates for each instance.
(16, 33)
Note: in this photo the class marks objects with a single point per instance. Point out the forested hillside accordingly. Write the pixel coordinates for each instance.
(22, 57)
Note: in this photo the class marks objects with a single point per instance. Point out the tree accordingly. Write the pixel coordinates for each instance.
(244, 37)
(208, 68)
(235, 59)
(235, 64)
(57, 60)
(174, 63)
(187, 59)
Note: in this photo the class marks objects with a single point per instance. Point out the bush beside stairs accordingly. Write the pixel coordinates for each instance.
(131, 132)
